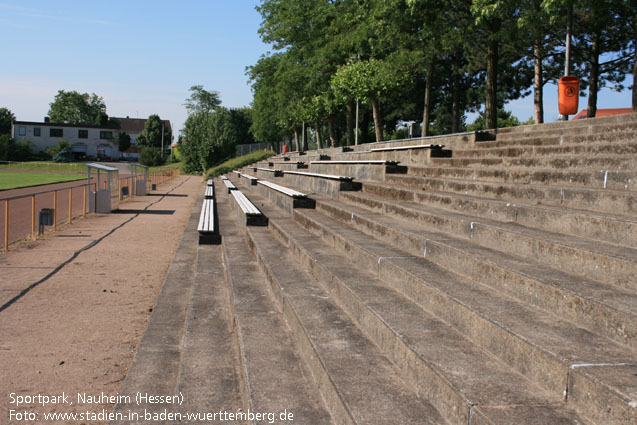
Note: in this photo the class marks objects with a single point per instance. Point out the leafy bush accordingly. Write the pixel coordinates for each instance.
(51, 152)
(14, 150)
(241, 161)
(150, 156)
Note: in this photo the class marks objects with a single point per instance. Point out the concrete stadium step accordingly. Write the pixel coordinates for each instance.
(607, 309)
(608, 263)
(444, 371)
(359, 383)
(274, 374)
(592, 125)
(616, 229)
(618, 180)
(628, 148)
(597, 162)
(623, 132)
(605, 200)
(536, 343)
(188, 346)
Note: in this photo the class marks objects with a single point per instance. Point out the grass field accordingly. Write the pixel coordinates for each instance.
(59, 167)
(12, 180)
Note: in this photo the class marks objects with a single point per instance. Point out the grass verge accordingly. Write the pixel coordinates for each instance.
(60, 167)
(14, 180)
(241, 161)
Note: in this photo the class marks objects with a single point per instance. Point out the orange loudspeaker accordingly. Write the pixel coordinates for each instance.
(568, 95)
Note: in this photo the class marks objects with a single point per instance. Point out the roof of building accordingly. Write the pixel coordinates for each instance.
(55, 124)
(136, 125)
(602, 113)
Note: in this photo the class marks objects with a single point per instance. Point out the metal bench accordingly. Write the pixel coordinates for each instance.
(285, 190)
(404, 148)
(252, 215)
(229, 185)
(323, 176)
(253, 180)
(370, 162)
(224, 178)
(208, 233)
(277, 173)
(238, 173)
(210, 182)
(210, 192)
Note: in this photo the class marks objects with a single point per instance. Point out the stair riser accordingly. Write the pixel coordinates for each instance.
(591, 179)
(317, 185)
(577, 309)
(594, 125)
(432, 387)
(615, 202)
(623, 133)
(563, 163)
(549, 373)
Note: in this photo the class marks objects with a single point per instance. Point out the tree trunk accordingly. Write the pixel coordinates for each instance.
(455, 98)
(330, 129)
(635, 80)
(351, 104)
(319, 142)
(492, 85)
(538, 84)
(377, 119)
(296, 139)
(593, 79)
(427, 109)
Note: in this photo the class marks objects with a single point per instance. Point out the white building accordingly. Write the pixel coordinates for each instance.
(85, 140)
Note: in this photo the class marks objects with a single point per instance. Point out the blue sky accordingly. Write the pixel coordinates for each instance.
(143, 56)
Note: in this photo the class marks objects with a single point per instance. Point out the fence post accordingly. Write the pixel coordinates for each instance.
(70, 204)
(84, 202)
(55, 210)
(6, 225)
(33, 216)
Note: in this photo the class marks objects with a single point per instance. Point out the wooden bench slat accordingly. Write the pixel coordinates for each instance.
(207, 217)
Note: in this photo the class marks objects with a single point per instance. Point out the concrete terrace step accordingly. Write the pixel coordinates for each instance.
(359, 384)
(606, 200)
(444, 372)
(629, 148)
(536, 343)
(609, 310)
(275, 376)
(617, 229)
(609, 263)
(607, 179)
(623, 133)
(605, 162)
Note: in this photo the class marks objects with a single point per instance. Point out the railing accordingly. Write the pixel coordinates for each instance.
(17, 210)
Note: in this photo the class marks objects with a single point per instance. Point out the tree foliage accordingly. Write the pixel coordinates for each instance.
(201, 100)
(151, 135)
(6, 119)
(429, 60)
(72, 107)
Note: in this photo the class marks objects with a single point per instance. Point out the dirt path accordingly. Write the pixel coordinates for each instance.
(74, 304)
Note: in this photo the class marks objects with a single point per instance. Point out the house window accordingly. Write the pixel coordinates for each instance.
(56, 132)
(22, 131)
(36, 131)
(82, 134)
(106, 134)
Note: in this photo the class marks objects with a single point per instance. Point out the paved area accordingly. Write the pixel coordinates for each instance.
(74, 304)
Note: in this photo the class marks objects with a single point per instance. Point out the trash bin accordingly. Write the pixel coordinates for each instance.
(568, 95)
(124, 191)
(46, 217)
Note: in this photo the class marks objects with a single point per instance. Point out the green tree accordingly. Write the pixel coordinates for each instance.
(123, 141)
(201, 100)
(6, 119)
(72, 107)
(151, 135)
(150, 156)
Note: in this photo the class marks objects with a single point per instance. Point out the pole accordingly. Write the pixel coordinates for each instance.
(70, 204)
(567, 61)
(33, 216)
(162, 140)
(6, 225)
(55, 209)
(356, 134)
